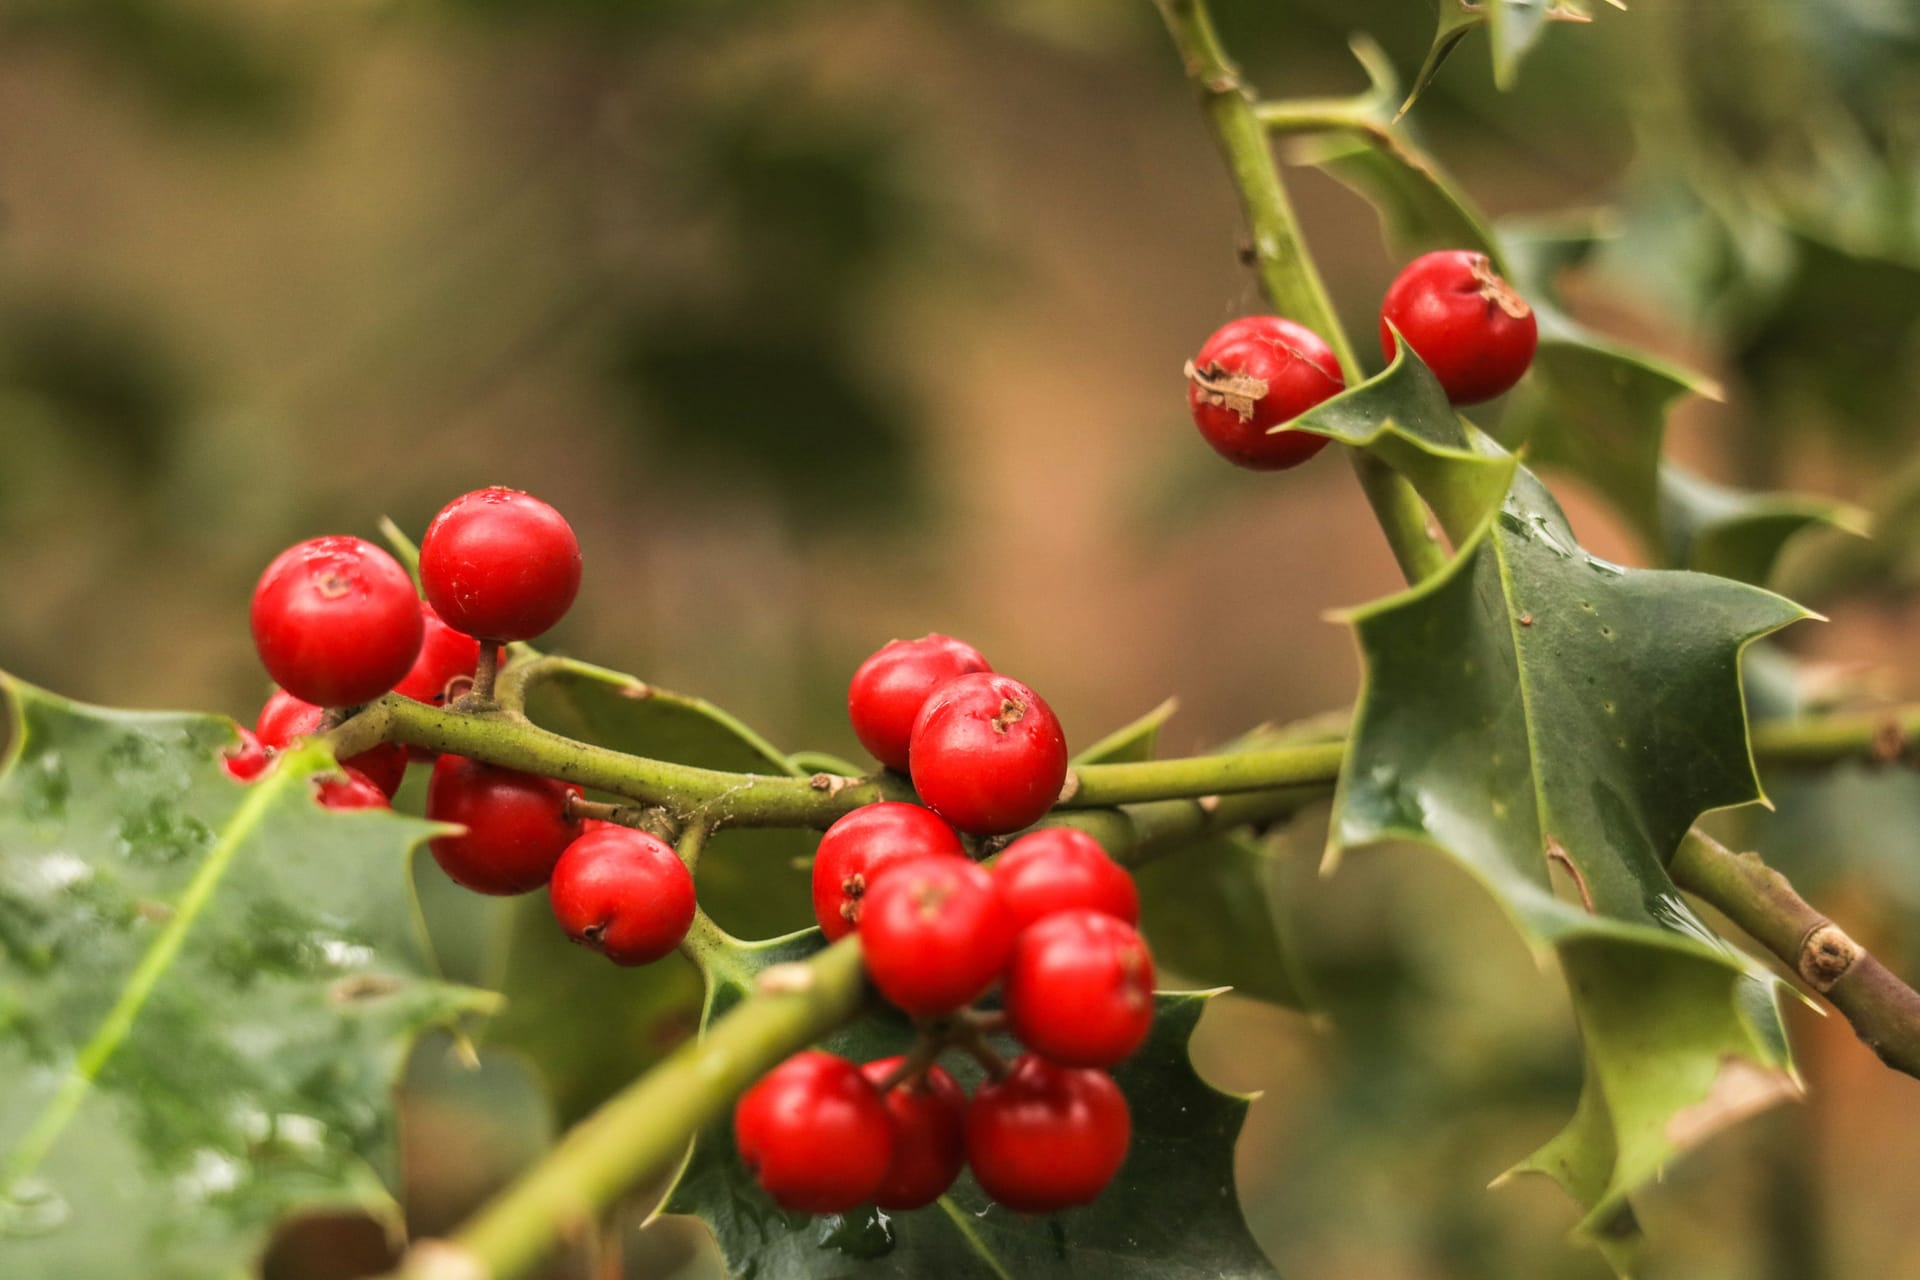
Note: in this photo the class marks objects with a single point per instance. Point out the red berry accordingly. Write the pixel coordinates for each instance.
(1059, 869)
(286, 718)
(500, 564)
(935, 934)
(1047, 1137)
(352, 790)
(1252, 375)
(988, 754)
(516, 825)
(247, 759)
(336, 621)
(928, 1144)
(624, 893)
(445, 656)
(1466, 323)
(858, 847)
(889, 689)
(815, 1133)
(1080, 989)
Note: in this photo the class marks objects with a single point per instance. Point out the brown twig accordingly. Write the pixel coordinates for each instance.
(1884, 1011)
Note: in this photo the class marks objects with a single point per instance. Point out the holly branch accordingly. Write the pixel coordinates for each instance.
(1137, 810)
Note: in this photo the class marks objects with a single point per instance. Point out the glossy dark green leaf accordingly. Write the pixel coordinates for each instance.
(754, 882)
(638, 1015)
(1514, 27)
(1421, 208)
(206, 993)
(1171, 1212)
(1454, 23)
(1538, 713)
(1591, 406)
(1739, 535)
(1402, 416)
(1212, 912)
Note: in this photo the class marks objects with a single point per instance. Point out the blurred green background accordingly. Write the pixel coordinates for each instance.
(826, 323)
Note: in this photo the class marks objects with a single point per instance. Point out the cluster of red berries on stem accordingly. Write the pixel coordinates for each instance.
(1257, 373)
(1051, 924)
(337, 623)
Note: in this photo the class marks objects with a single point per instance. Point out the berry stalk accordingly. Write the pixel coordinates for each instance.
(1287, 270)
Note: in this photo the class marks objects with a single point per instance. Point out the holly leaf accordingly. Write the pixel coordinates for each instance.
(1212, 912)
(1536, 712)
(1171, 1211)
(640, 1014)
(1403, 417)
(754, 881)
(207, 991)
(1714, 529)
(1590, 406)
(1211, 909)
(1514, 27)
(1456, 20)
(1420, 207)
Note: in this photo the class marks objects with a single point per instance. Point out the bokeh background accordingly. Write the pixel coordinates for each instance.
(832, 322)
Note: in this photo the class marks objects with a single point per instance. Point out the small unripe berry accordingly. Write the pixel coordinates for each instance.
(988, 754)
(1047, 1137)
(861, 845)
(285, 719)
(500, 564)
(815, 1134)
(516, 825)
(1252, 375)
(623, 893)
(335, 621)
(934, 934)
(1060, 869)
(1464, 320)
(1080, 989)
(929, 1147)
(889, 688)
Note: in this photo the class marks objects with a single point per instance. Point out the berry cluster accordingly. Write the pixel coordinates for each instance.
(1255, 373)
(1051, 923)
(337, 623)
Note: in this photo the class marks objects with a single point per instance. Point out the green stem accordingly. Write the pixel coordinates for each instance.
(715, 797)
(712, 796)
(1318, 115)
(641, 1132)
(1106, 785)
(1291, 279)
(691, 844)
